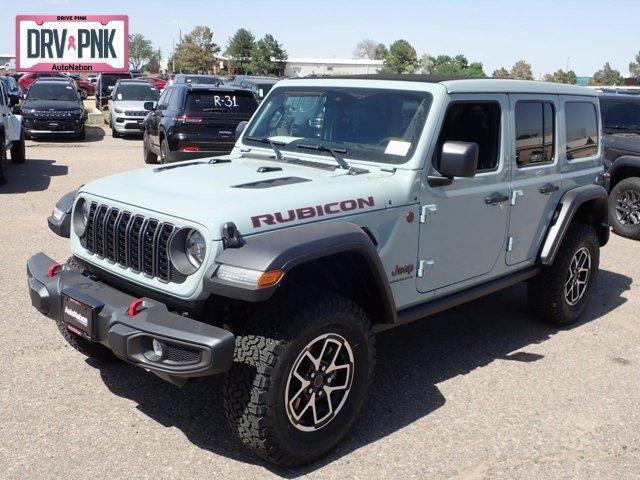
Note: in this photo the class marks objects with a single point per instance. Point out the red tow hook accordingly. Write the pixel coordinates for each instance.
(135, 307)
(53, 269)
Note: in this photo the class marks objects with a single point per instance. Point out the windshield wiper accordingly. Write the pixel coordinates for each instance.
(272, 143)
(333, 151)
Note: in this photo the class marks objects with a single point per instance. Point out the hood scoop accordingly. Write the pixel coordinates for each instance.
(273, 182)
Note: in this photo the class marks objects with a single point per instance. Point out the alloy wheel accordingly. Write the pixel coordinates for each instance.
(628, 208)
(578, 276)
(319, 382)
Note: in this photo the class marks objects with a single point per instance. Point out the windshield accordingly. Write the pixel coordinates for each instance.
(221, 101)
(52, 91)
(196, 80)
(142, 93)
(369, 124)
(620, 114)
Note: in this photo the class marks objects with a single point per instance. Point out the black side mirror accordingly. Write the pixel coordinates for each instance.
(151, 106)
(240, 128)
(457, 159)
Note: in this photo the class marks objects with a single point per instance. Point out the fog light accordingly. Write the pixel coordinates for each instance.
(158, 348)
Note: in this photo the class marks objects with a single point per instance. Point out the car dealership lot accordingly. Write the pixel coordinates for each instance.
(483, 390)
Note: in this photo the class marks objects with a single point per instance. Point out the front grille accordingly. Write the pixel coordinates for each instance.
(132, 241)
(54, 113)
(136, 113)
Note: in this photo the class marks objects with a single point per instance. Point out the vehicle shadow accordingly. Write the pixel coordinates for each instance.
(31, 176)
(93, 133)
(411, 361)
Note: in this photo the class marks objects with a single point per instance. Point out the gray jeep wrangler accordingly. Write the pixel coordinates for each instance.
(348, 206)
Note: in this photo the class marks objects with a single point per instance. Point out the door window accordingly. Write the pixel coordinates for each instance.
(477, 122)
(163, 101)
(535, 133)
(582, 130)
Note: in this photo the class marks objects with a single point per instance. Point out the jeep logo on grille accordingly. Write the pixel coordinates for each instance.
(304, 213)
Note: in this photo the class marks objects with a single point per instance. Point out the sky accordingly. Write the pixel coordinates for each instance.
(545, 33)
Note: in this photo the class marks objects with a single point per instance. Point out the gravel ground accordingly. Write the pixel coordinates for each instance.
(481, 391)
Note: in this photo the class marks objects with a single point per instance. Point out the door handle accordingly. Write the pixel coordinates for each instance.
(496, 197)
(548, 188)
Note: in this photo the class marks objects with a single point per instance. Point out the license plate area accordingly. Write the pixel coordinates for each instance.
(79, 313)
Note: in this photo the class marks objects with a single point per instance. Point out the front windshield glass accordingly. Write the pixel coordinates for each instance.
(620, 114)
(52, 91)
(370, 124)
(142, 93)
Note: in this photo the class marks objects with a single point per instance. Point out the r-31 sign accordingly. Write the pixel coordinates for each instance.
(72, 43)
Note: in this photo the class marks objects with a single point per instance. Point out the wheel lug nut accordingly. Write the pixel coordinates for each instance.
(313, 375)
(329, 380)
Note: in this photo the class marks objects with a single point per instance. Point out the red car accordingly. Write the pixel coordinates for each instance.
(27, 79)
(157, 83)
(85, 88)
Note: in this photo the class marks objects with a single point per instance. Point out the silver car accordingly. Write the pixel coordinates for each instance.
(127, 106)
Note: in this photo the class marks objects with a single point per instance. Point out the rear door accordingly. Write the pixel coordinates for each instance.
(535, 173)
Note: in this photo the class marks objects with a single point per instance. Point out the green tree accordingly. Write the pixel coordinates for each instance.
(634, 67)
(140, 50)
(154, 62)
(560, 76)
(380, 53)
(239, 50)
(457, 66)
(402, 58)
(608, 76)
(267, 57)
(501, 73)
(196, 53)
(521, 71)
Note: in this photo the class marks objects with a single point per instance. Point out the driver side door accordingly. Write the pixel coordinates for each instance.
(463, 225)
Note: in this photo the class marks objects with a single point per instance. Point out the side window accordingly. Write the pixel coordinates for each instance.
(582, 130)
(163, 101)
(3, 95)
(535, 133)
(174, 100)
(477, 122)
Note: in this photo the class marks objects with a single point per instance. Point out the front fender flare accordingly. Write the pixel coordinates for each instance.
(288, 248)
(566, 211)
(61, 224)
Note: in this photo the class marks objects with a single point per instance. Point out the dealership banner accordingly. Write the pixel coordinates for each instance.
(72, 43)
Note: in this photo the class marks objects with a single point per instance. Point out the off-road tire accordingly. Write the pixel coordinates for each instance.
(628, 184)
(18, 150)
(3, 162)
(85, 347)
(266, 352)
(149, 156)
(83, 133)
(546, 292)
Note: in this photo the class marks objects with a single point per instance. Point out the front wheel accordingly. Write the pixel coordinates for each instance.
(561, 292)
(624, 208)
(301, 374)
(149, 156)
(165, 153)
(18, 150)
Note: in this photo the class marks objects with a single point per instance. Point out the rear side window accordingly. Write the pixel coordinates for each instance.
(477, 122)
(163, 101)
(535, 132)
(582, 130)
(620, 114)
(221, 101)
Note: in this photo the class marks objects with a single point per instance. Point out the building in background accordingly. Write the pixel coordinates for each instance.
(303, 67)
(7, 61)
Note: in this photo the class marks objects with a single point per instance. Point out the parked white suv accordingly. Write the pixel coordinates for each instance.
(126, 106)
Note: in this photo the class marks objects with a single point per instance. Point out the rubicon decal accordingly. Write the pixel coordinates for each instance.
(97, 43)
(305, 213)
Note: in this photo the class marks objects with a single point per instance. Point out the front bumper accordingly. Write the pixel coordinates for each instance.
(128, 124)
(52, 127)
(195, 348)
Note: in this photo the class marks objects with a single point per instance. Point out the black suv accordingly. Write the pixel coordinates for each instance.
(621, 128)
(260, 86)
(195, 121)
(53, 108)
(210, 80)
(105, 84)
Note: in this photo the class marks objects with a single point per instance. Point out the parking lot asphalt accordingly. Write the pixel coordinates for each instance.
(480, 391)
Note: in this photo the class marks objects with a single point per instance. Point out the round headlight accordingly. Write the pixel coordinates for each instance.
(80, 217)
(195, 248)
(84, 213)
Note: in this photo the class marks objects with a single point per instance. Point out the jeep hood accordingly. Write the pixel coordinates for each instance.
(217, 193)
(130, 104)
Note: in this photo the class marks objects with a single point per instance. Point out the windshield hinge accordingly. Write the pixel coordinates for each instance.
(427, 211)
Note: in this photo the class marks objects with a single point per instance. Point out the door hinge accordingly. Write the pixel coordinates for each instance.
(514, 196)
(512, 242)
(426, 211)
(424, 266)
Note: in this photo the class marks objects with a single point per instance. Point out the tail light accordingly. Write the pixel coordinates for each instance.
(189, 148)
(189, 119)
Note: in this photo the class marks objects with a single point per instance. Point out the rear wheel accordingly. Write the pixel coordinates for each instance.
(301, 374)
(165, 153)
(114, 133)
(18, 150)
(562, 291)
(83, 93)
(149, 156)
(624, 208)
(3, 162)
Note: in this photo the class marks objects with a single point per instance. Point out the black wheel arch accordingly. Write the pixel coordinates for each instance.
(623, 167)
(587, 204)
(338, 256)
